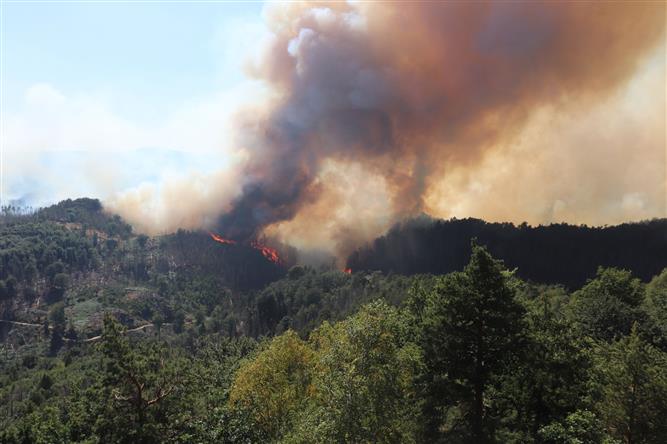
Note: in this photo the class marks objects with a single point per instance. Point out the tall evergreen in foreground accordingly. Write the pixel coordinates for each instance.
(473, 330)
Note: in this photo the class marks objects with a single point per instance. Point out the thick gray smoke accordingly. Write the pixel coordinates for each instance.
(411, 91)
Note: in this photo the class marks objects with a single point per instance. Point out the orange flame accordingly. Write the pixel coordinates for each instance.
(268, 252)
(347, 270)
(222, 240)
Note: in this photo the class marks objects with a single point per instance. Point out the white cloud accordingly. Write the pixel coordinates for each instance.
(50, 121)
(57, 146)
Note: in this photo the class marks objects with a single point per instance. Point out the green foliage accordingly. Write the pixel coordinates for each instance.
(44, 426)
(472, 329)
(632, 379)
(307, 298)
(607, 306)
(59, 286)
(270, 389)
(57, 316)
(580, 427)
(87, 212)
(473, 356)
(179, 321)
(363, 386)
(547, 383)
(138, 385)
(558, 253)
(351, 382)
(655, 306)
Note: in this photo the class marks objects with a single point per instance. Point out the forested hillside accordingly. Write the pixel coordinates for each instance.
(554, 254)
(111, 337)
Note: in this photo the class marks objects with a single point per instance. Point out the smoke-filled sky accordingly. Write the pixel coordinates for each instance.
(322, 123)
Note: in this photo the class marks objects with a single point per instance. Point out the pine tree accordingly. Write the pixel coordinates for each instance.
(632, 376)
(473, 327)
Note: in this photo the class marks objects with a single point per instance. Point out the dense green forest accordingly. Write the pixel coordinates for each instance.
(111, 337)
(550, 254)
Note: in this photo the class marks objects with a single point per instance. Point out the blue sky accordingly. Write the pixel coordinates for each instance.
(150, 56)
(92, 79)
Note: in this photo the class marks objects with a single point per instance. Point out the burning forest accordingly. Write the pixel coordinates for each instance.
(268, 252)
(351, 126)
(409, 109)
(333, 221)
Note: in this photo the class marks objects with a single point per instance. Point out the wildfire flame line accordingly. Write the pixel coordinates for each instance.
(222, 240)
(268, 252)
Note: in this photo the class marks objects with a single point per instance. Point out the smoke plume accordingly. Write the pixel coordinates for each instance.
(407, 94)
